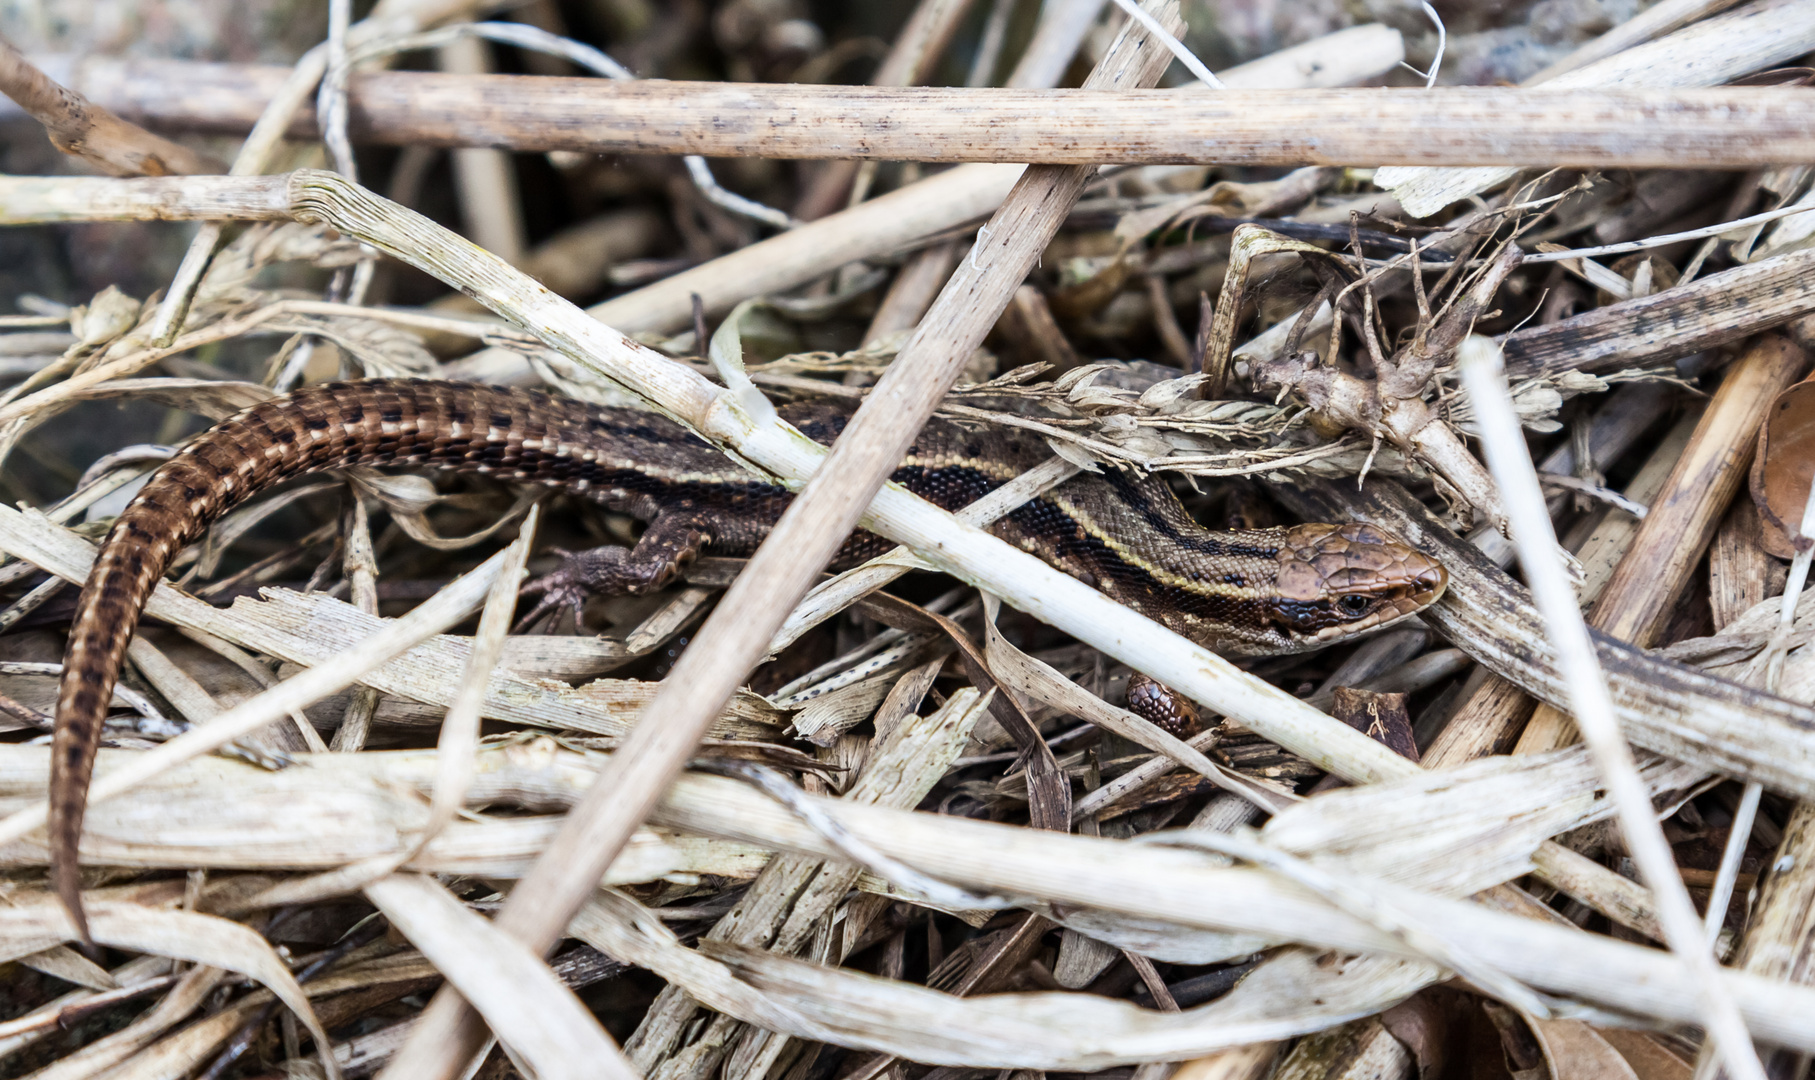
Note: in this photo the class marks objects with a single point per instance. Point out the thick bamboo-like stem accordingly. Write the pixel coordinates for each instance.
(1716, 127)
(1685, 514)
(1707, 53)
(736, 636)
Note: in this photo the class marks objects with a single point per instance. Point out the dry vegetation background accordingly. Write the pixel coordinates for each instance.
(1272, 889)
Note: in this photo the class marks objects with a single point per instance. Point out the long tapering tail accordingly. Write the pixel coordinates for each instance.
(447, 425)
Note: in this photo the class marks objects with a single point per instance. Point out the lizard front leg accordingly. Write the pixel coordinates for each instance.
(669, 543)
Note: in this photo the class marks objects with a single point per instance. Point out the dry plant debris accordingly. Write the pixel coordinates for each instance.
(951, 813)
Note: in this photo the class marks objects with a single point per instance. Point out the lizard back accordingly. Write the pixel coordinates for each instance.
(1261, 591)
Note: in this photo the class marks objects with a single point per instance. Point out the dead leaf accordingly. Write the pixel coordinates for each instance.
(1784, 465)
(1422, 1023)
(1576, 1051)
(1649, 1058)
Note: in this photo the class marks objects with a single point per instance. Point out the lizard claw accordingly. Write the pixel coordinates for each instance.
(557, 594)
(566, 587)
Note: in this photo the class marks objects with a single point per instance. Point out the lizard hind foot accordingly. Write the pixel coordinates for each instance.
(601, 571)
(565, 588)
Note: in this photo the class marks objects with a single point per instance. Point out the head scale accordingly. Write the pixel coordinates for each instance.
(1336, 581)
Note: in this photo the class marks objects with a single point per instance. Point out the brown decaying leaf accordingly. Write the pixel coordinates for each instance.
(1783, 468)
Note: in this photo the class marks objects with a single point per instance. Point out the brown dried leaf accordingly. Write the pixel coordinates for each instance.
(1783, 467)
(1649, 1058)
(1576, 1051)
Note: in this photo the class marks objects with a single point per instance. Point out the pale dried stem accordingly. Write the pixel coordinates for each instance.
(1484, 376)
(1488, 128)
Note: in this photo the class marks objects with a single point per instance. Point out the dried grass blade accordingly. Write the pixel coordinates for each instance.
(184, 935)
(511, 987)
(457, 748)
(432, 617)
(1480, 363)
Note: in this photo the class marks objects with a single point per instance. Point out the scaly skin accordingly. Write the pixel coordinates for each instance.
(1257, 591)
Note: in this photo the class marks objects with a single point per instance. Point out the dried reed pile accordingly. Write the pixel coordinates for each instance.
(902, 822)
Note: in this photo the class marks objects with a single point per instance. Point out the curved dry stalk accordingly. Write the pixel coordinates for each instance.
(80, 128)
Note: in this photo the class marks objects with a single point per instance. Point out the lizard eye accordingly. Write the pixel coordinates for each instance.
(1355, 605)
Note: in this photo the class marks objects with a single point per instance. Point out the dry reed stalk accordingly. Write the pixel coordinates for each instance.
(784, 908)
(1777, 938)
(914, 289)
(1706, 53)
(1684, 515)
(184, 95)
(1707, 313)
(1719, 127)
(737, 634)
(81, 128)
(301, 629)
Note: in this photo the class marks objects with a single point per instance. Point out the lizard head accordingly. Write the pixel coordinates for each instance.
(1336, 581)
